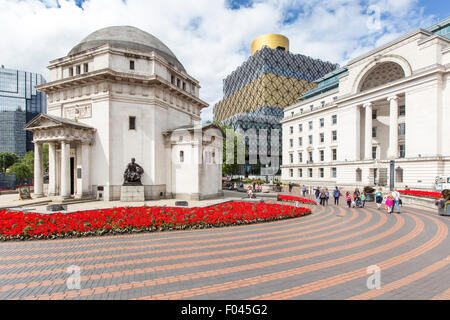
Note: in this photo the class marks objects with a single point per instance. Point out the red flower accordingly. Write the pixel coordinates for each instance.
(20, 225)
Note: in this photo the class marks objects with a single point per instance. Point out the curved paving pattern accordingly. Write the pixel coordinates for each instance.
(321, 256)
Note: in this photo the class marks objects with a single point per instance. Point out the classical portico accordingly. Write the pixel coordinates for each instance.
(69, 156)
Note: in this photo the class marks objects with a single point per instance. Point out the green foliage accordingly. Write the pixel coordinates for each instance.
(21, 170)
(230, 169)
(28, 161)
(7, 159)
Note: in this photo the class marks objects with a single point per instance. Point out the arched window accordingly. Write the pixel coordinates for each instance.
(358, 175)
(399, 175)
(381, 74)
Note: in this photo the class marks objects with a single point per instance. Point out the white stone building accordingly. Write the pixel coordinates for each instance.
(392, 103)
(122, 94)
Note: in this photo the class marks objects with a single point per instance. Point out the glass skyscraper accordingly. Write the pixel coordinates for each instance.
(19, 103)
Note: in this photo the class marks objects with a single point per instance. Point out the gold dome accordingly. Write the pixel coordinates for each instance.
(272, 41)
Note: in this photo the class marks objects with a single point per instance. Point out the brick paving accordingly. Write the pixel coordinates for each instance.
(321, 256)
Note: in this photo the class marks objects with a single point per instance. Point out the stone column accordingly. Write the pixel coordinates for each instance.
(38, 178)
(357, 133)
(86, 169)
(52, 169)
(368, 134)
(79, 157)
(393, 128)
(65, 170)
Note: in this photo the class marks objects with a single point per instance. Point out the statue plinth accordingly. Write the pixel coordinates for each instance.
(132, 193)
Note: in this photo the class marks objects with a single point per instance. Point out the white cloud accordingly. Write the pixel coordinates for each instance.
(209, 39)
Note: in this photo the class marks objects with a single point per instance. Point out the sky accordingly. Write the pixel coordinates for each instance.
(211, 38)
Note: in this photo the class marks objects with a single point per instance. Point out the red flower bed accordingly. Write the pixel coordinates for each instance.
(22, 226)
(426, 194)
(295, 199)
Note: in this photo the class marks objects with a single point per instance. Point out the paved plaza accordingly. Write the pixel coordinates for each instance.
(322, 256)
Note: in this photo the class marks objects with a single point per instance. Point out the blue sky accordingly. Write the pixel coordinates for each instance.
(211, 37)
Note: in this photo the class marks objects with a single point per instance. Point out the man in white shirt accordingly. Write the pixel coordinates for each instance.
(396, 203)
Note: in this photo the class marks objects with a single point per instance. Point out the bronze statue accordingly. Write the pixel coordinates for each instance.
(133, 174)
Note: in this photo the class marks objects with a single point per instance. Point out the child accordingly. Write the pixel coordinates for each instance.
(389, 202)
(379, 198)
(349, 199)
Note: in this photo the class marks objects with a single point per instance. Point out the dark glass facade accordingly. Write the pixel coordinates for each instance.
(19, 103)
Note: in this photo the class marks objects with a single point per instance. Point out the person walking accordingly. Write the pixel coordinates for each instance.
(389, 202)
(322, 197)
(290, 187)
(327, 196)
(317, 194)
(379, 198)
(304, 191)
(349, 199)
(396, 201)
(363, 199)
(336, 195)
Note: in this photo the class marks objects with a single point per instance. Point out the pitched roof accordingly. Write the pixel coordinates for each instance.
(57, 121)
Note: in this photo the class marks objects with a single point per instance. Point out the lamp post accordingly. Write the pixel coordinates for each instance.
(392, 178)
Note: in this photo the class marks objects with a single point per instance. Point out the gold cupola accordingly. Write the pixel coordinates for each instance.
(273, 41)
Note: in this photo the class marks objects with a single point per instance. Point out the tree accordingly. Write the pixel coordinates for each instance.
(7, 159)
(230, 169)
(28, 160)
(21, 170)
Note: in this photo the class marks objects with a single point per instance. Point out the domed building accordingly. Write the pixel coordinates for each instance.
(119, 94)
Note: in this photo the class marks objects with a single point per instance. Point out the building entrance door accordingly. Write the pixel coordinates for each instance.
(72, 176)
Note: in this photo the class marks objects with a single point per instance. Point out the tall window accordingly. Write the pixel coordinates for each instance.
(402, 129)
(70, 72)
(310, 172)
(322, 104)
(402, 111)
(374, 152)
(310, 125)
(291, 143)
(184, 86)
(78, 70)
(132, 123)
(291, 129)
(310, 156)
(374, 132)
(402, 151)
(181, 156)
(334, 119)
(300, 141)
(334, 151)
(291, 158)
(310, 139)
(300, 157)
(86, 67)
(131, 64)
(334, 135)
(172, 79)
(322, 137)
(322, 155)
(300, 128)
(322, 123)
(358, 175)
(333, 172)
(291, 173)
(374, 114)
(300, 173)
(399, 175)
(321, 172)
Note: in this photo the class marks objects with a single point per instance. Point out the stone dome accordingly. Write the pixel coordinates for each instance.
(126, 37)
